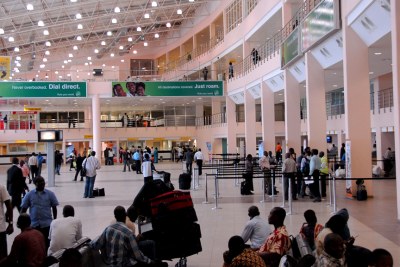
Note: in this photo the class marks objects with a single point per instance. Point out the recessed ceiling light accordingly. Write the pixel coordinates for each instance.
(154, 4)
(18, 58)
(146, 15)
(112, 54)
(86, 64)
(371, 72)
(90, 63)
(73, 1)
(48, 43)
(109, 33)
(335, 85)
(11, 39)
(1, 31)
(45, 32)
(16, 49)
(134, 51)
(191, 0)
(75, 47)
(29, 7)
(42, 66)
(70, 55)
(47, 52)
(179, 12)
(117, 9)
(156, 35)
(168, 25)
(65, 61)
(145, 44)
(44, 59)
(139, 29)
(104, 65)
(56, 72)
(121, 47)
(122, 60)
(89, 58)
(40, 23)
(78, 16)
(377, 53)
(103, 43)
(96, 51)
(112, 67)
(80, 27)
(114, 20)
(130, 39)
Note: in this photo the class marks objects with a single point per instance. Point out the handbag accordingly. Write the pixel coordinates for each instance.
(83, 170)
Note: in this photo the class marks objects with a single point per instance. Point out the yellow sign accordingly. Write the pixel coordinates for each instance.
(32, 109)
(185, 138)
(158, 139)
(132, 139)
(5, 68)
(88, 136)
(21, 141)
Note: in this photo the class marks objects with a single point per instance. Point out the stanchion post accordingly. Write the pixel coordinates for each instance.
(263, 190)
(289, 194)
(334, 195)
(330, 189)
(283, 192)
(206, 200)
(216, 193)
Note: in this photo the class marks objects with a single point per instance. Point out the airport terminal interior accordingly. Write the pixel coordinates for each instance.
(230, 77)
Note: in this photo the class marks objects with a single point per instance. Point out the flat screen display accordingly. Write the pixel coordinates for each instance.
(46, 136)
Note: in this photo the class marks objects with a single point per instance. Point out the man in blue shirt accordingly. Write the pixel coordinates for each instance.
(42, 204)
(315, 166)
(119, 244)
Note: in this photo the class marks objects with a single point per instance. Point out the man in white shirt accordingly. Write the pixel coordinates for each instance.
(199, 157)
(64, 232)
(256, 229)
(33, 165)
(5, 217)
(91, 164)
(147, 168)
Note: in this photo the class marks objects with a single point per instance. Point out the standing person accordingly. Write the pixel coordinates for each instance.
(5, 119)
(315, 166)
(40, 160)
(205, 73)
(256, 229)
(263, 162)
(230, 70)
(136, 158)
(25, 174)
(278, 152)
(289, 170)
(147, 168)
(33, 165)
(5, 217)
(79, 161)
(58, 161)
(199, 157)
(249, 173)
(105, 153)
(92, 164)
(126, 157)
(110, 156)
(15, 184)
(124, 120)
(324, 171)
(42, 204)
(180, 154)
(28, 248)
(342, 151)
(64, 232)
(71, 163)
(119, 244)
(189, 161)
(155, 155)
(254, 54)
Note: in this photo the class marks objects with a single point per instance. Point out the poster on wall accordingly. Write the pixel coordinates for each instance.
(177, 88)
(5, 68)
(348, 169)
(209, 150)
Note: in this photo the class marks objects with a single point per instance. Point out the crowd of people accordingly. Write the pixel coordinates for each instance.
(331, 245)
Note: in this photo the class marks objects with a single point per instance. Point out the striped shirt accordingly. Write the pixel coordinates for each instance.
(277, 242)
(120, 246)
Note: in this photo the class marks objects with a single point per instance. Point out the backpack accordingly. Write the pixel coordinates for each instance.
(306, 168)
(361, 190)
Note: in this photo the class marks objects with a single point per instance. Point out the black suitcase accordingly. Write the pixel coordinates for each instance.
(184, 181)
(244, 190)
(362, 195)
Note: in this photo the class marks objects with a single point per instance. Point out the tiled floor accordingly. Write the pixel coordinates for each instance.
(373, 222)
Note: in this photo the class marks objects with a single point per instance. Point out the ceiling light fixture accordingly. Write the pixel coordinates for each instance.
(75, 47)
(179, 12)
(89, 58)
(191, 0)
(40, 23)
(154, 4)
(146, 15)
(139, 29)
(44, 59)
(130, 39)
(377, 53)
(96, 51)
(112, 55)
(42, 66)
(121, 47)
(78, 16)
(156, 35)
(1, 31)
(114, 20)
(16, 49)
(168, 25)
(48, 43)
(117, 9)
(103, 43)
(79, 38)
(109, 33)
(145, 44)
(80, 27)
(18, 58)
(11, 39)
(135, 52)
(45, 32)
(47, 52)
(29, 7)
(70, 55)
(74, 1)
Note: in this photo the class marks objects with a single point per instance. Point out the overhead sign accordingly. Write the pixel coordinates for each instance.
(32, 109)
(31, 112)
(290, 48)
(43, 89)
(5, 68)
(322, 21)
(178, 88)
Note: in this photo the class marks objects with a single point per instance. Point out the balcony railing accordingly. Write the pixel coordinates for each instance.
(385, 100)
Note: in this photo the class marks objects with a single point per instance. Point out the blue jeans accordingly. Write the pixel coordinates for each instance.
(89, 186)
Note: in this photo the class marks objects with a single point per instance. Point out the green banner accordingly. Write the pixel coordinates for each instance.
(178, 88)
(319, 23)
(43, 89)
(290, 48)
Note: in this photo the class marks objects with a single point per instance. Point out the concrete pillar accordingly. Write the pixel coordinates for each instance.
(231, 125)
(395, 11)
(268, 117)
(250, 119)
(292, 112)
(316, 104)
(286, 12)
(378, 138)
(214, 70)
(96, 145)
(357, 107)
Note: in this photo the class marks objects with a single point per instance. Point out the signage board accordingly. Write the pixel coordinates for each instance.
(43, 89)
(290, 48)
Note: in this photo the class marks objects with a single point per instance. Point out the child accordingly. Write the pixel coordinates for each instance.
(311, 228)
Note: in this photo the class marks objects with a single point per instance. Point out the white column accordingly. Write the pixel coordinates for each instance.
(378, 138)
(231, 124)
(395, 11)
(250, 120)
(316, 104)
(268, 117)
(292, 112)
(96, 145)
(357, 105)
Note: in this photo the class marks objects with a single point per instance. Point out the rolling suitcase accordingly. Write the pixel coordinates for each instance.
(184, 181)
(171, 201)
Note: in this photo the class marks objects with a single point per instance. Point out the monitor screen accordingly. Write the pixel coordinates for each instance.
(329, 139)
(46, 136)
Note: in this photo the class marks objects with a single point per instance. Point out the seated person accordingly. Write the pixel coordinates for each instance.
(380, 258)
(333, 253)
(118, 244)
(71, 257)
(278, 241)
(240, 256)
(311, 228)
(256, 229)
(29, 247)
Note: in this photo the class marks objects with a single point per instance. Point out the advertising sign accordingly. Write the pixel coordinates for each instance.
(290, 48)
(43, 89)
(177, 88)
(5, 68)
(323, 20)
